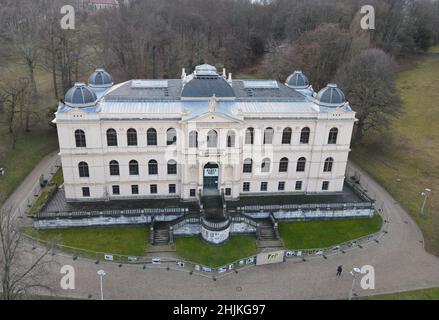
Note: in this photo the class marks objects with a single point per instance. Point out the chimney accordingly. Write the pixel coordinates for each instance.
(229, 80)
(224, 73)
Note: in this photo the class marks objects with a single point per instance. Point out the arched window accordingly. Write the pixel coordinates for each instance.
(193, 139)
(111, 138)
(80, 139)
(83, 169)
(286, 136)
(212, 139)
(151, 137)
(304, 135)
(265, 166)
(301, 163)
(268, 135)
(230, 139)
(153, 167)
(134, 168)
(114, 168)
(283, 165)
(132, 137)
(247, 167)
(172, 167)
(171, 136)
(328, 165)
(333, 133)
(249, 135)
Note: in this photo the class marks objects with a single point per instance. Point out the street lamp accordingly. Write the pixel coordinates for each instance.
(425, 194)
(354, 272)
(101, 274)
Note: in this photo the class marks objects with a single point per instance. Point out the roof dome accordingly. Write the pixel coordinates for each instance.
(101, 79)
(297, 80)
(331, 95)
(80, 96)
(205, 83)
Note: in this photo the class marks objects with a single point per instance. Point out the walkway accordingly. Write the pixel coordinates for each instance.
(399, 259)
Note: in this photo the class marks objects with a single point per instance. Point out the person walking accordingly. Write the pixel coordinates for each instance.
(339, 270)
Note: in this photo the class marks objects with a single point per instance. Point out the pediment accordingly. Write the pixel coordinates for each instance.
(214, 117)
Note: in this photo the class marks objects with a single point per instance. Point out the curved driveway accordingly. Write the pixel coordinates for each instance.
(399, 259)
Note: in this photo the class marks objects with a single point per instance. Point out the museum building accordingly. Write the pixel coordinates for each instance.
(202, 134)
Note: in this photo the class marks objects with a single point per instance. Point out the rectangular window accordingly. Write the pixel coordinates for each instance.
(153, 188)
(264, 186)
(172, 188)
(116, 190)
(172, 167)
(281, 186)
(228, 191)
(298, 185)
(135, 189)
(246, 186)
(325, 185)
(86, 192)
(192, 192)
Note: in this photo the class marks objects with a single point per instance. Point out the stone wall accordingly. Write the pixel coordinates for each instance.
(312, 214)
(100, 221)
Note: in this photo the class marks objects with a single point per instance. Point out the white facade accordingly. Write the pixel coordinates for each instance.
(129, 106)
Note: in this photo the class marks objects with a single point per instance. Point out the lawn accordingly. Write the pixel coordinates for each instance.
(56, 181)
(423, 294)
(195, 250)
(405, 158)
(131, 241)
(18, 163)
(326, 233)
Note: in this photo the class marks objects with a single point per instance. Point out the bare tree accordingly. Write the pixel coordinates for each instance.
(15, 100)
(22, 273)
(368, 81)
(22, 27)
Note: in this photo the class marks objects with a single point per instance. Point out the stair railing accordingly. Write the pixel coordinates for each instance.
(151, 231)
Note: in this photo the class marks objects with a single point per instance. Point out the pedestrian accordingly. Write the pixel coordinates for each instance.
(339, 270)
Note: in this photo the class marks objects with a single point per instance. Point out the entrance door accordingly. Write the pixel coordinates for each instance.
(210, 177)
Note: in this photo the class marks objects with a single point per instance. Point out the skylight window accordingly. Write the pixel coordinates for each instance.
(149, 84)
(261, 84)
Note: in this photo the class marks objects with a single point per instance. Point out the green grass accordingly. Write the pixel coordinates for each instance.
(423, 294)
(56, 181)
(409, 149)
(58, 178)
(195, 250)
(19, 162)
(40, 200)
(131, 241)
(327, 233)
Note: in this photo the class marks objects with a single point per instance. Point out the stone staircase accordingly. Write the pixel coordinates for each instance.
(213, 207)
(161, 233)
(267, 235)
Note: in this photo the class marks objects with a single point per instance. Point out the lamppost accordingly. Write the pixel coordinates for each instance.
(425, 194)
(101, 274)
(354, 272)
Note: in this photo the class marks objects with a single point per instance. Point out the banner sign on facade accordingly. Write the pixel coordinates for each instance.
(270, 257)
(211, 172)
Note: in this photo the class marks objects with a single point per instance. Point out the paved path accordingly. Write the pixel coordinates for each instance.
(399, 259)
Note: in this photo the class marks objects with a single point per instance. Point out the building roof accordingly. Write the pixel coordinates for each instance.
(331, 95)
(80, 96)
(189, 97)
(100, 79)
(297, 80)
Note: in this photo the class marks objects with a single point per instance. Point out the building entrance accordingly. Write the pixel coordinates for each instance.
(210, 178)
